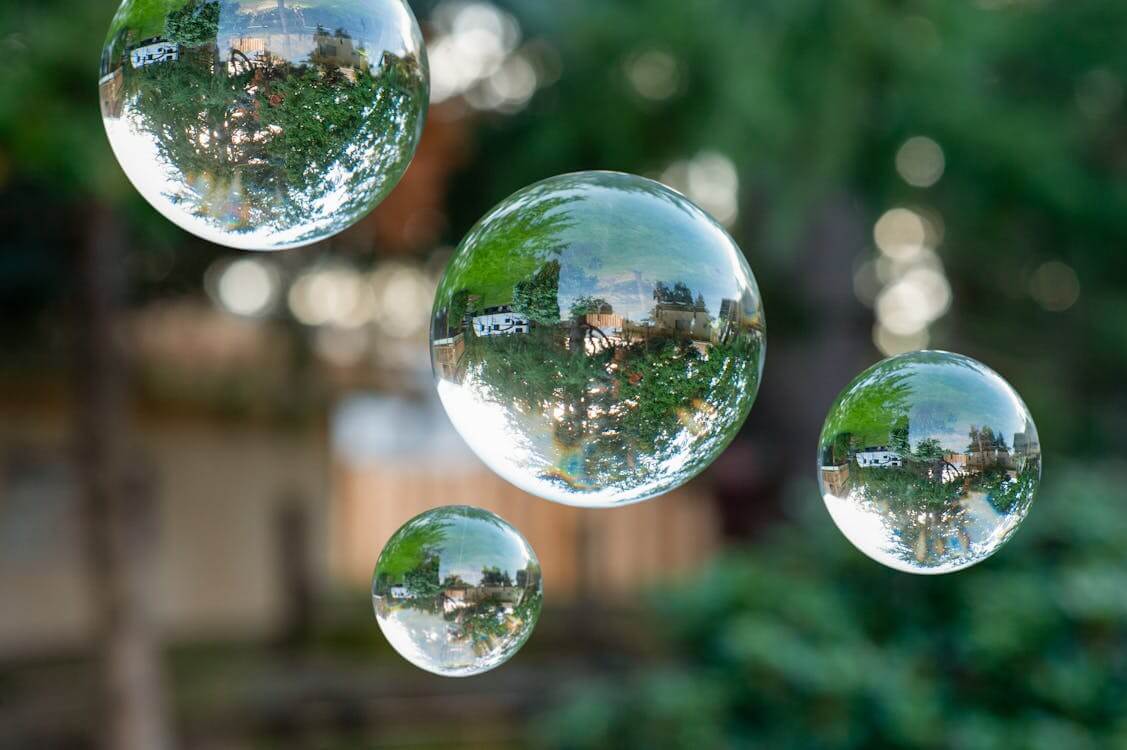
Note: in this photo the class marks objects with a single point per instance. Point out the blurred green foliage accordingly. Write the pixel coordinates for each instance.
(801, 642)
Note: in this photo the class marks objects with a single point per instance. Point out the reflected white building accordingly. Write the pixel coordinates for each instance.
(500, 321)
(880, 457)
(153, 51)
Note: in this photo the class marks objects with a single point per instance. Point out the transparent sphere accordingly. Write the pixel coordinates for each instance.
(597, 339)
(928, 462)
(457, 591)
(264, 124)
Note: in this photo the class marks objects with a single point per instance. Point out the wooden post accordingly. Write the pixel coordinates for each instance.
(298, 580)
(116, 500)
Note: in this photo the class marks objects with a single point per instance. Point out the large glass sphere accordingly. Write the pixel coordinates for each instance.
(457, 591)
(264, 124)
(928, 462)
(597, 339)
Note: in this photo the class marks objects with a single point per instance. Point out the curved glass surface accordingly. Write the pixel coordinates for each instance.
(597, 339)
(264, 124)
(457, 591)
(928, 462)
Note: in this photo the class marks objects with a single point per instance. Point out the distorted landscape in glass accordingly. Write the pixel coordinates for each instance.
(929, 461)
(264, 124)
(597, 339)
(457, 591)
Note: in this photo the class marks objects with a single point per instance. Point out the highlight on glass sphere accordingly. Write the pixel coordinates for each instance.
(264, 124)
(928, 462)
(597, 339)
(457, 591)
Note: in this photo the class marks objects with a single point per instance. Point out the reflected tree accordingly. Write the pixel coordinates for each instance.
(537, 297)
(194, 25)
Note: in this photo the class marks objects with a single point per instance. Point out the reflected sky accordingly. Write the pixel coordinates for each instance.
(597, 339)
(457, 591)
(928, 462)
(264, 125)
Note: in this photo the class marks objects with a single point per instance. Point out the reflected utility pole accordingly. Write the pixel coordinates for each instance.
(117, 501)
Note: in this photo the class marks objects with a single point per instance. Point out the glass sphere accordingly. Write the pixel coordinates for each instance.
(928, 462)
(263, 124)
(457, 591)
(597, 339)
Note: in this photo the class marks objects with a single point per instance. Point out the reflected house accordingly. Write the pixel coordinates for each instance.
(527, 577)
(153, 51)
(731, 311)
(400, 592)
(337, 49)
(735, 318)
(499, 321)
(460, 594)
(686, 319)
(111, 91)
(879, 457)
(446, 354)
(836, 479)
(499, 594)
(1026, 442)
(980, 460)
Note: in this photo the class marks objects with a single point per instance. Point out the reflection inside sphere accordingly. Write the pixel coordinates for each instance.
(928, 462)
(597, 339)
(264, 124)
(457, 591)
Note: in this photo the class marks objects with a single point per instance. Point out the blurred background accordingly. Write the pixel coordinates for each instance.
(202, 451)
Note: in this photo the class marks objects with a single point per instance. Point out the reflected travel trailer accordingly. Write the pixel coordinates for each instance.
(153, 51)
(499, 321)
(879, 456)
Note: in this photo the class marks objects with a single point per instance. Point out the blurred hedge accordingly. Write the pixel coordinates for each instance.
(799, 641)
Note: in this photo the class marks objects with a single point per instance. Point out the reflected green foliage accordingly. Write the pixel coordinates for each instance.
(899, 476)
(194, 25)
(643, 383)
(257, 126)
(536, 298)
(798, 642)
(513, 241)
(590, 306)
(457, 591)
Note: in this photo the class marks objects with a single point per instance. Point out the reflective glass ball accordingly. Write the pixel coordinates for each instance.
(597, 339)
(928, 462)
(264, 124)
(457, 591)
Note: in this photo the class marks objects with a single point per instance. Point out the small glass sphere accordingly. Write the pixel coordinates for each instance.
(264, 125)
(457, 591)
(928, 462)
(597, 339)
